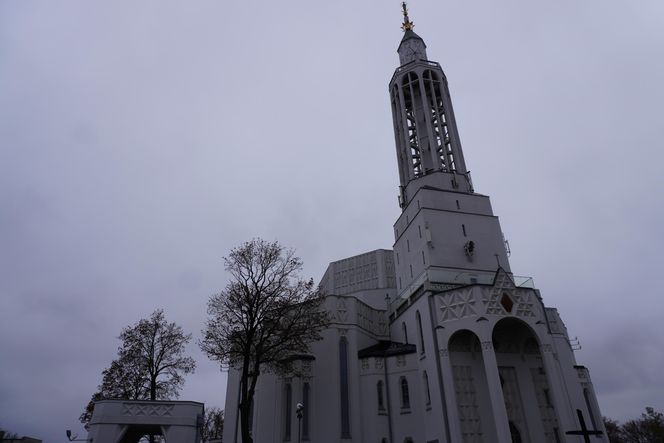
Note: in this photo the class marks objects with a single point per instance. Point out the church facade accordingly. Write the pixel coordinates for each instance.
(436, 340)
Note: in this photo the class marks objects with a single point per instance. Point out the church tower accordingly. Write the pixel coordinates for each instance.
(504, 363)
(436, 340)
(444, 226)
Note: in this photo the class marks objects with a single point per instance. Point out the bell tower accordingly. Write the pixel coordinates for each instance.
(445, 227)
(425, 130)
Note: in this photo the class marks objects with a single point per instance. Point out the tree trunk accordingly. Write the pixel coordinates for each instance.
(153, 397)
(245, 402)
(245, 409)
(153, 388)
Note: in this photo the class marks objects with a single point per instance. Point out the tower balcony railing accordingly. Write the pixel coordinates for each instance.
(447, 278)
(413, 63)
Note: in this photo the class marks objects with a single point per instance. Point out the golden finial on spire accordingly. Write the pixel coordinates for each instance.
(407, 24)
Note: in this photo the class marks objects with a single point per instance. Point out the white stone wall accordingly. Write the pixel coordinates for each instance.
(544, 384)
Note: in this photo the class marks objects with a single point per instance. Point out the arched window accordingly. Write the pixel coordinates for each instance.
(405, 395)
(288, 401)
(405, 332)
(343, 379)
(419, 331)
(439, 120)
(305, 412)
(381, 399)
(412, 100)
(427, 395)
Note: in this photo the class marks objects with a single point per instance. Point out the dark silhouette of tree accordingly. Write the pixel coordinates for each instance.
(213, 424)
(265, 314)
(613, 430)
(647, 429)
(7, 435)
(150, 366)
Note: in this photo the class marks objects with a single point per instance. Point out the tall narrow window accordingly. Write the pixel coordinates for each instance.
(412, 98)
(305, 411)
(381, 400)
(343, 378)
(439, 121)
(419, 331)
(405, 332)
(288, 401)
(419, 228)
(405, 395)
(586, 396)
(427, 394)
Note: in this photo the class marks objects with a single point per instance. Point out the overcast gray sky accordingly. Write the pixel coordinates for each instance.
(140, 141)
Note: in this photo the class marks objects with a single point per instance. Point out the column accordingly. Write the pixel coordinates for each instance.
(496, 393)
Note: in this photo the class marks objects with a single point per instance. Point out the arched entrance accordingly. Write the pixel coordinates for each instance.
(128, 421)
(470, 386)
(139, 433)
(526, 391)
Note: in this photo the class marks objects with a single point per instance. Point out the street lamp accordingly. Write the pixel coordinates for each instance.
(74, 437)
(299, 410)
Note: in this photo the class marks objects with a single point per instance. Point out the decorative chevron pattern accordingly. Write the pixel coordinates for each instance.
(524, 304)
(502, 285)
(457, 304)
(147, 410)
(521, 302)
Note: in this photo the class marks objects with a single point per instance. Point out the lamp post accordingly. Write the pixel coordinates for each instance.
(299, 410)
(74, 437)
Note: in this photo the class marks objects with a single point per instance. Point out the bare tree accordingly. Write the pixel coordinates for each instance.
(213, 424)
(647, 429)
(150, 366)
(265, 314)
(613, 431)
(158, 346)
(7, 435)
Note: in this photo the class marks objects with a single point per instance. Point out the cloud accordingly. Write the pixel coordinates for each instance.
(139, 143)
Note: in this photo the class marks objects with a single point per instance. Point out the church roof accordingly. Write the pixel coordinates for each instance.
(386, 348)
(409, 34)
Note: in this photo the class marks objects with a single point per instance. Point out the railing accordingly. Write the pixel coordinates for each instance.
(456, 277)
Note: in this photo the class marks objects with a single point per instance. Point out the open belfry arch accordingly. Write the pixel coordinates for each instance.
(436, 340)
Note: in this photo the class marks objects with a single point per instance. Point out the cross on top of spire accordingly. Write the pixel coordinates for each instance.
(407, 24)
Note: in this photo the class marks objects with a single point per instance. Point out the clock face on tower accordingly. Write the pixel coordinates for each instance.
(412, 50)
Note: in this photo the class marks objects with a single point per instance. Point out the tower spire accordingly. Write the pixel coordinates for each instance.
(407, 25)
(425, 128)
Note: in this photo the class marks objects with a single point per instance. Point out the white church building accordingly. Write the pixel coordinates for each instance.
(435, 341)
